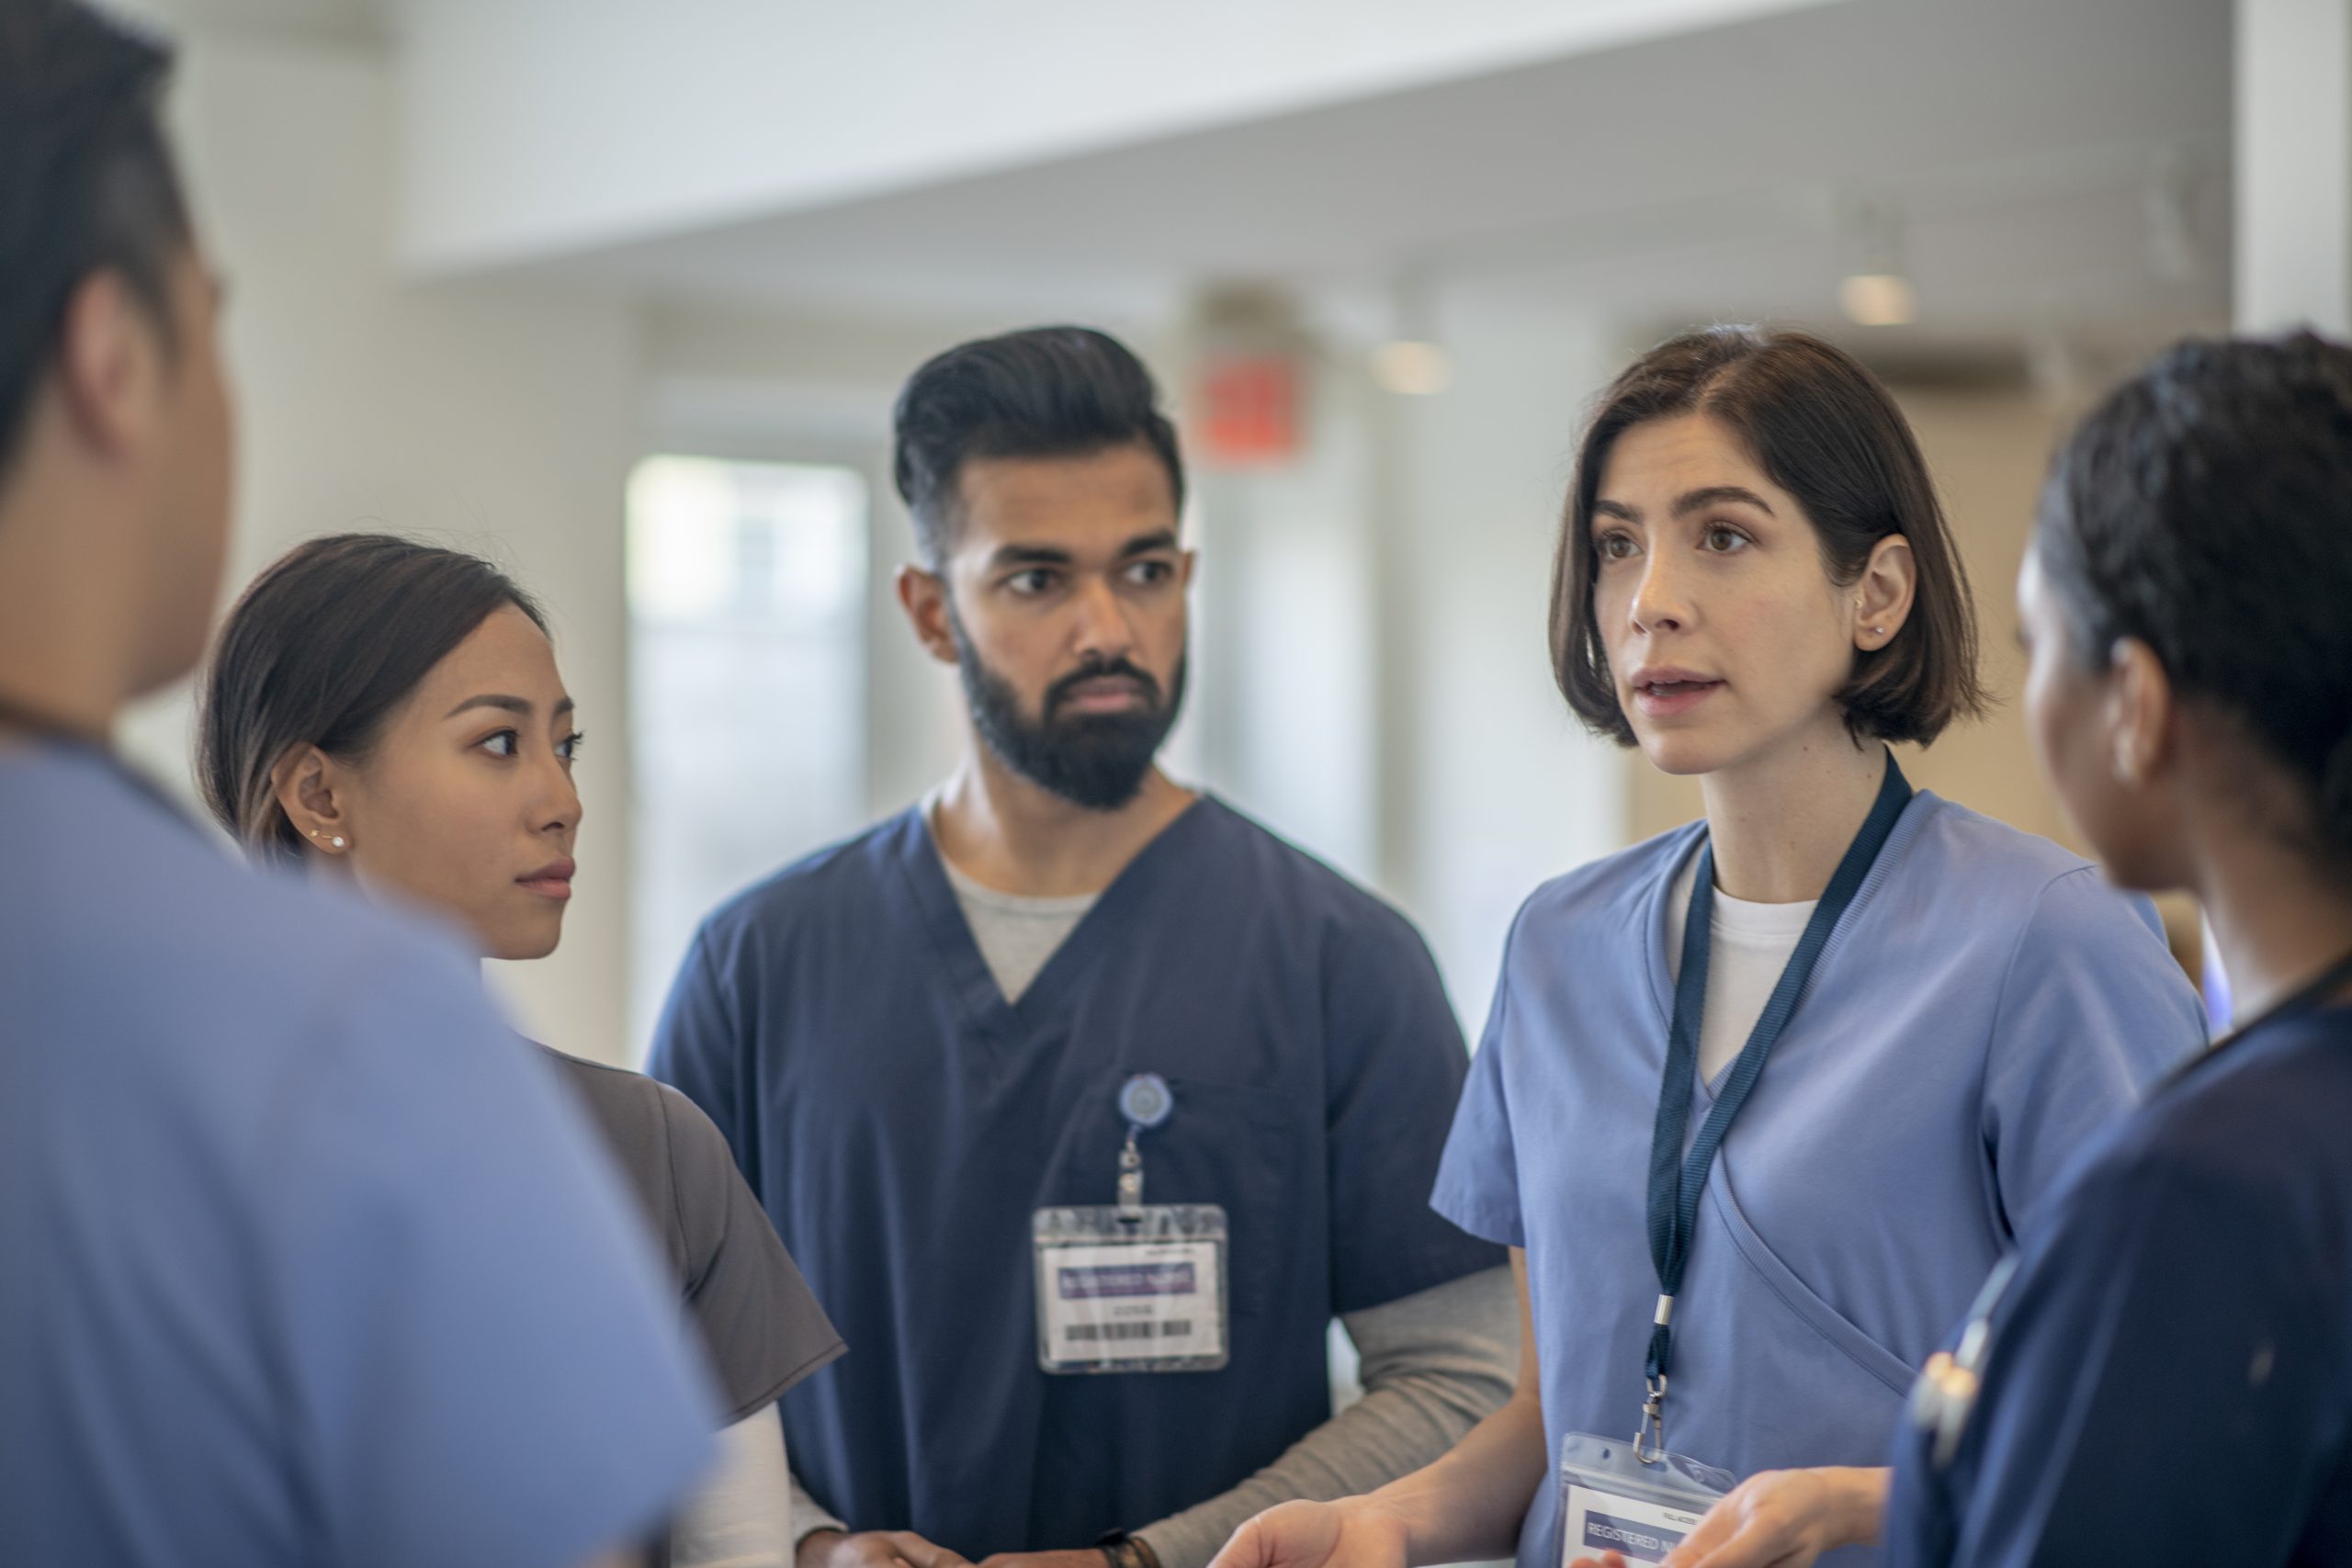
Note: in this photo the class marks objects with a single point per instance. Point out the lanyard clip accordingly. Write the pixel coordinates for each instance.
(1131, 1178)
(1649, 1438)
(1649, 1441)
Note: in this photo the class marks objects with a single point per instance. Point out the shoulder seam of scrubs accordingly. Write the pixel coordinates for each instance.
(1499, 1009)
(706, 962)
(2008, 973)
(668, 1134)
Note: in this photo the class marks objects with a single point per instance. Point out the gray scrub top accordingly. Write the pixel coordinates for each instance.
(761, 1325)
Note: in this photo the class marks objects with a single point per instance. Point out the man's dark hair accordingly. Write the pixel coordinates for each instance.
(2205, 509)
(1045, 392)
(86, 181)
(1826, 430)
(320, 651)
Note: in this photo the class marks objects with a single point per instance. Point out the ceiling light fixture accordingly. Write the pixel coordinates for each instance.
(1879, 300)
(1877, 291)
(1412, 363)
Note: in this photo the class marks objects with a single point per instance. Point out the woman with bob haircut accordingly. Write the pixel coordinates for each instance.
(2167, 1375)
(389, 713)
(1761, 1100)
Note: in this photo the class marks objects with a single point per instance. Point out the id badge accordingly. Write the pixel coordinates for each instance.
(1139, 1289)
(1609, 1500)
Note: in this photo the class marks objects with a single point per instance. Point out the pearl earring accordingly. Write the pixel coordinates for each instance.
(334, 844)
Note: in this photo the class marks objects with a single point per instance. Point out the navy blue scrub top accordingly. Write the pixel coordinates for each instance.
(902, 1122)
(2170, 1374)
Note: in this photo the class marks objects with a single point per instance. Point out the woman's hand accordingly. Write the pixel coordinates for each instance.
(873, 1549)
(1785, 1519)
(1351, 1533)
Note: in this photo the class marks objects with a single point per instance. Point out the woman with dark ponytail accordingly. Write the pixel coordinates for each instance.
(2167, 1375)
(388, 713)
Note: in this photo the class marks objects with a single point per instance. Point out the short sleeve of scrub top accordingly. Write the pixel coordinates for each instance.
(2084, 996)
(763, 1329)
(2169, 1378)
(1479, 1183)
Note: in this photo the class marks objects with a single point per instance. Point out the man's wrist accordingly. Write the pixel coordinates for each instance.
(1391, 1508)
(1121, 1550)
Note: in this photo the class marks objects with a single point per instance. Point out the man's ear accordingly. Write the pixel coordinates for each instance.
(111, 368)
(922, 595)
(304, 782)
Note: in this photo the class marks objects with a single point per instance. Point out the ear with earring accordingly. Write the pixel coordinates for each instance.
(334, 841)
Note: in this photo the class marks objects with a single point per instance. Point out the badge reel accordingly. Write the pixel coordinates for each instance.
(1614, 1499)
(1131, 1287)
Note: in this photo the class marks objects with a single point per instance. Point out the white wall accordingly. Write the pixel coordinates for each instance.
(2294, 166)
(633, 119)
(497, 418)
(1504, 789)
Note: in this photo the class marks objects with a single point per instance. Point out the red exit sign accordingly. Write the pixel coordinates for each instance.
(1247, 409)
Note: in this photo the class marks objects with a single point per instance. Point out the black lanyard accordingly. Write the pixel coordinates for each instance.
(1677, 1180)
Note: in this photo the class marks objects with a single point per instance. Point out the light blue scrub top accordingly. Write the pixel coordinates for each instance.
(1987, 1004)
(304, 1259)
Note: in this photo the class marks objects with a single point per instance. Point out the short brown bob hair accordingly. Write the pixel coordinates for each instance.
(1824, 430)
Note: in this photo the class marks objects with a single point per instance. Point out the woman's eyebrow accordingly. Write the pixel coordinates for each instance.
(519, 707)
(1715, 495)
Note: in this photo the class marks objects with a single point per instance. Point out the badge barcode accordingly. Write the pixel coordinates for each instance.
(1174, 1329)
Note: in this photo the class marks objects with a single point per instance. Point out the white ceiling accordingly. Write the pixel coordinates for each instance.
(2026, 141)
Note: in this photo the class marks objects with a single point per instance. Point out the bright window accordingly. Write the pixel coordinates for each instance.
(747, 687)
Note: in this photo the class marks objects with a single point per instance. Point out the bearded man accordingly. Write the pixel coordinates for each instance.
(1085, 1102)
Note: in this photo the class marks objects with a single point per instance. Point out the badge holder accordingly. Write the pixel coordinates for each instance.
(1132, 1287)
(1611, 1500)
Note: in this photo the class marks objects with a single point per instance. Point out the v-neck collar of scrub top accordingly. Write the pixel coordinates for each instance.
(975, 986)
(1654, 918)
